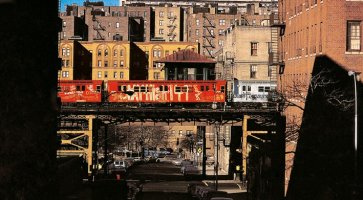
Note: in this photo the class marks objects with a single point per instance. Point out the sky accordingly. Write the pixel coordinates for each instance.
(80, 3)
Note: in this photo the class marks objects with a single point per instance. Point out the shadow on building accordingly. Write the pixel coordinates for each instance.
(324, 158)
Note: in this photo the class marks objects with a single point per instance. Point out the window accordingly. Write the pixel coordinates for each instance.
(222, 89)
(99, 74)
(63, 51)
(260, 89)
(106, 52)
(64, 23)
(121, 63)
(220, 32)
(161, 14)
(253, 48)
(353, 36)
(156, 75)
(115, 53)
(161, 22)
(197, 22)
(196, 31)
(253, 71)
(161, 31)
(114, 74)
(121, 52)
(65, 74)
(157, 53)
(222, 22)
(99, 52)
(67, 63)
(121, 75)
(99, 63)
(115, 63)
(106, 74)
(68, 52)
(106, 63)
(220, 43)
(117, 24)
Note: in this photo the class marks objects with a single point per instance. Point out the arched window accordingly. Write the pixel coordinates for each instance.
(106, 52)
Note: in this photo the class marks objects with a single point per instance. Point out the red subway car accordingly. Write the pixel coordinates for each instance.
(170, 91)
(73, 91)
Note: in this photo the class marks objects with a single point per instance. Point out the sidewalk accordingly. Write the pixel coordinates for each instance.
(229, 186)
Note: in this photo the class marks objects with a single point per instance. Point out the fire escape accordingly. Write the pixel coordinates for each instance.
(172, 27)
(97, 26)
(276, 54)
(208, 35)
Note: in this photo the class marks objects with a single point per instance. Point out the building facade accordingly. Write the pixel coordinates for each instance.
(154, 51)
(169, 23)
(315, 28)
(110, 60)
(245, 59)
(114, 22)
(76, 61)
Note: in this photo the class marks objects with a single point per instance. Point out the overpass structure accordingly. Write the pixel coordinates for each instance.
(78, 127)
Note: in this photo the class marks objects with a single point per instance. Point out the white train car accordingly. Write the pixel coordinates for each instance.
(252, 91)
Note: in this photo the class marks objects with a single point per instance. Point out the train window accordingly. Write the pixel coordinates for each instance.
(260, 89)
(222, 89)
(244, 88)
(78, 88)
(142, 89)
(184, 89)
(119, 88)
(161, 88)
(267, 89)
(98, 88)
(249, 88)
(190, 89)
(83, 88)
(136, 89)
(165, 88)
(149, 89)
(177, 89)
(202, 88)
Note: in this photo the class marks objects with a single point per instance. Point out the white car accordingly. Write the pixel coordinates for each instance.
(120, 164)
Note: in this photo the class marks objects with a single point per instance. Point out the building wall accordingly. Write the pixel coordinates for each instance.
(313, 30)
(109, 19)
(66, 53)
(239, 45)
(113, 66)
(219, 22)
(157, 50)
(168, 23)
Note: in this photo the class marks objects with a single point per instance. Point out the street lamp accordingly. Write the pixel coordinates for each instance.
(356, 78)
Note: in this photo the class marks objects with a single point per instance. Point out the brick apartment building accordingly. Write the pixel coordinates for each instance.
(109, 22)
(313, 28)
(169, 23)
(317, 27)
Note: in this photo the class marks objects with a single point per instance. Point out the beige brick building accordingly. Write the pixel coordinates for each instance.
(169, 23)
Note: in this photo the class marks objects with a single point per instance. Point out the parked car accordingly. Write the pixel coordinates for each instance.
(120, 164)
